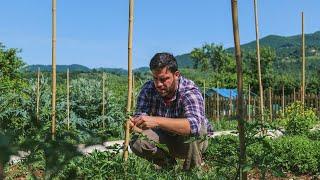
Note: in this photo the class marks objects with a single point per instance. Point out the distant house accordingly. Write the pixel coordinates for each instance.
(223, 105)
(226, 93)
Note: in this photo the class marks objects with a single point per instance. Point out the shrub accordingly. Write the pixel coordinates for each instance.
(298, 119)
(314, 135)
(297, 154)
(223, 154)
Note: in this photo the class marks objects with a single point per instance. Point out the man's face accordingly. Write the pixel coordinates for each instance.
(165, 81)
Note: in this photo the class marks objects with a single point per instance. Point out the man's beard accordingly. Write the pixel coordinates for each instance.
(170, 91)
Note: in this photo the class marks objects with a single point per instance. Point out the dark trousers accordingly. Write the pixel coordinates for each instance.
(150, 147)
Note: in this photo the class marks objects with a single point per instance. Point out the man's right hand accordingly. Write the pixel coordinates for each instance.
(133, 127)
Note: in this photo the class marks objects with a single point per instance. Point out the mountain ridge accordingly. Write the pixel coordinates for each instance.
(285, 47)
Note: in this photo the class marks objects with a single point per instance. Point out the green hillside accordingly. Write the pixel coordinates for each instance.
(288, 46)
(184, 61)
(285, 47)
(81, 68)
(60, 68)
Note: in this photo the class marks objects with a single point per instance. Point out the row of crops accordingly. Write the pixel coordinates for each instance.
(295, 153)
(19, 106)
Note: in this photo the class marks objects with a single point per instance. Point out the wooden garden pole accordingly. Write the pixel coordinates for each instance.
(258, 60)
(204, 96)
(68, 101)
(317, 104)
(127, 132)
(38, 95)
(282, 100)
(103, 99)
(294, 94)
(240, 114)
(218, 103)
(133, 91)
(254, 107)
(270, 103)
(230, 103)
(2, 175)
(53, 113)
(303, 60)
(249, 103)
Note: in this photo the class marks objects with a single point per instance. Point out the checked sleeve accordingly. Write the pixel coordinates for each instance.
(193, 109)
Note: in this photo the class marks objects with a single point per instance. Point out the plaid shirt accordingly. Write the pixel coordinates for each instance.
(187, 103)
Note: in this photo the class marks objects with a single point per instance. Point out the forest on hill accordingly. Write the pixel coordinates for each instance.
(286, 47)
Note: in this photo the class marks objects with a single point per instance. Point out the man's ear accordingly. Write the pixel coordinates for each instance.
(177, 74)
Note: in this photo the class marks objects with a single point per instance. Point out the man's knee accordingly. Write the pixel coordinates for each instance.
(135, 146)
(142, 147)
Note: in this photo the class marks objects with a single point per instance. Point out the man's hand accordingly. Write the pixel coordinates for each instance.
(145, 122)
(133, 127)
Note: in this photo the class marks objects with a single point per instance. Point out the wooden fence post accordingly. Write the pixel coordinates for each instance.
(258, 61)
(282, 100)
(127, 131)
(68, 103)
(240, 113)
(303, 60)
(53, 102)
(103, 100)
(204, 95)
(38, 96)
(270, 103)
(218, 103)
(249, 103)
(230, 104)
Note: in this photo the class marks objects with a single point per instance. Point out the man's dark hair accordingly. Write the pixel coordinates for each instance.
(162, 60)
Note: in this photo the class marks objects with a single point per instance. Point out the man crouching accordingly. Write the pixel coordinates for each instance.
(170, 111)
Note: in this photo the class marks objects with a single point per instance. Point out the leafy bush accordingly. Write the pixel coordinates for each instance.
(86, 107)
(314, 135)
(223, 153)
(107, 165)
(298, 120)
(225, 124)
(297, 154)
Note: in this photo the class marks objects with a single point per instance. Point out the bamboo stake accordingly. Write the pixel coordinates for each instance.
(2, 175)
(294, 94)
(106, 94)
(303, 60)
(133, 92)
(204, 96)
(317, 104)
(249, 103)
(53, 122)
(254, 107)
(218, 104)
(38, 95)
(103, 100)
(240, 114)
(270, 104)
(68, 102)
(127, 133)
(258, 60)
(230, 103)
(282, 100)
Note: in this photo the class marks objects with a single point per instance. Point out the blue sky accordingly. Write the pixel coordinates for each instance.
(94, 33)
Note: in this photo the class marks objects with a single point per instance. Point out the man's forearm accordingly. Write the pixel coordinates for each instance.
(179, 126)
